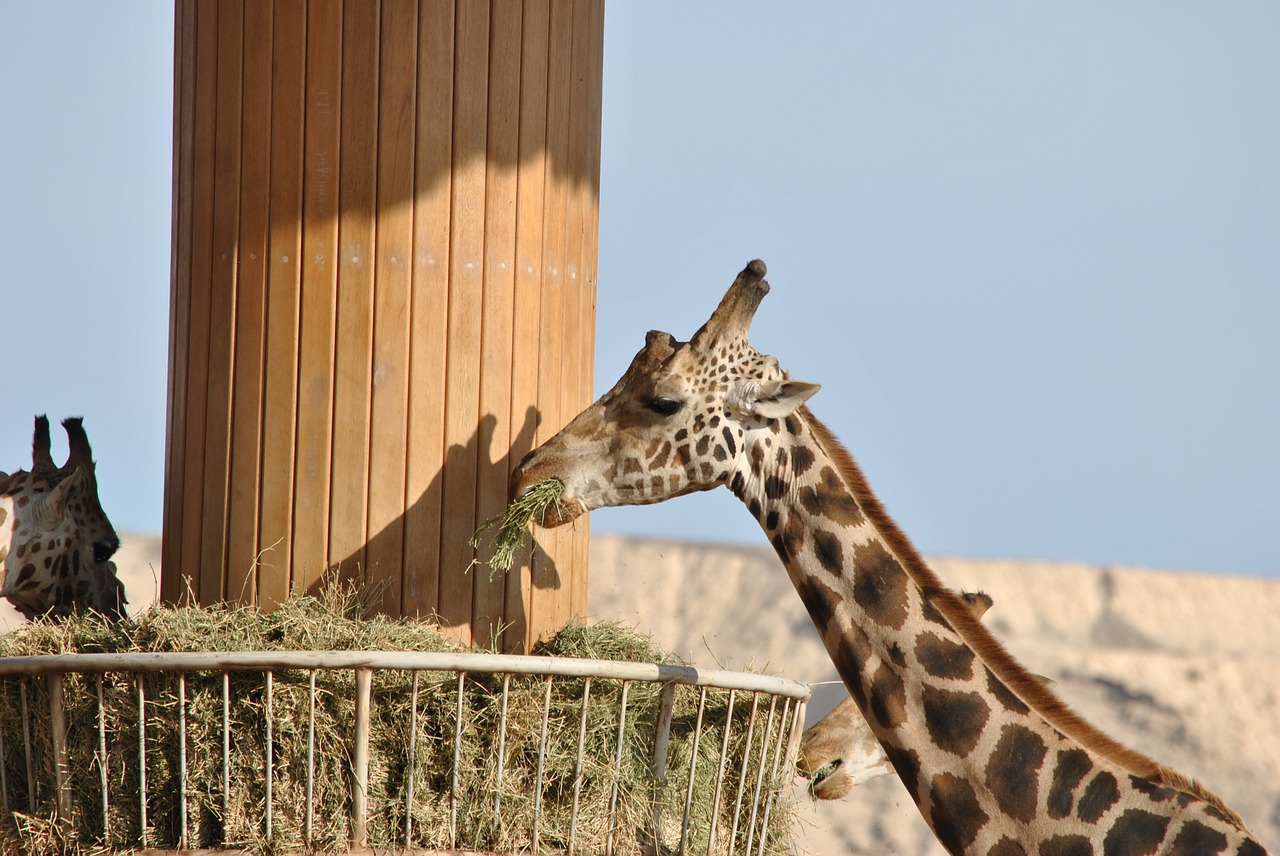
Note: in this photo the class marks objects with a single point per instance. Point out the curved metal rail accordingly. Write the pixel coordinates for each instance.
(754, 788)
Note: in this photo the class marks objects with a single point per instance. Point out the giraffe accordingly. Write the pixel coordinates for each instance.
(994, 761)
(839, 751)
(56, 542)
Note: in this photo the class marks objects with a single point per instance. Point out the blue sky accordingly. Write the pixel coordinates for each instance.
(1031, 251)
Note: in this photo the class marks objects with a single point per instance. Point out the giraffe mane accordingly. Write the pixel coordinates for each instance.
(989, 649)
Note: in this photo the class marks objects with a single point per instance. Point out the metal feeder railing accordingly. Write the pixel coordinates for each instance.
(754, 782)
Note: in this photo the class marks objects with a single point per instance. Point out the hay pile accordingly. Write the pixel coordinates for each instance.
(336, 621)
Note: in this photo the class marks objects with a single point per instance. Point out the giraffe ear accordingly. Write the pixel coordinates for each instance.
(770, 399)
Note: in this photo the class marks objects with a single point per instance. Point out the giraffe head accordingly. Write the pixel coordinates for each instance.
(56, 542)
(683, 417)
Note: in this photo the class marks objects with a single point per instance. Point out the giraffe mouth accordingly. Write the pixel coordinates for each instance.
(565, 511)
(823, 784)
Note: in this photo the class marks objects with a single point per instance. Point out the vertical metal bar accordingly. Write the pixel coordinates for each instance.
(724, 751)
(577, 766)
(142, 759)
(226, 750)
(102, 765)
(4, 777)
(360, 762)
(270, 752)
(693, 769)
(775, 786)
(617, 770)
(764, 751)
(26, 739)
(742, 775)
(413, 761)
(457, 765)
(661, 741)
(502, 751)
(311, 752)
(542, 755)
(58, 726)
(182, 760)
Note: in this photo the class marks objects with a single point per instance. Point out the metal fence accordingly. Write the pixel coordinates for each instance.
(420, 750)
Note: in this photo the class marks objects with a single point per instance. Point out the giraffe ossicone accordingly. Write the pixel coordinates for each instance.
(56, 542)
(994, 761)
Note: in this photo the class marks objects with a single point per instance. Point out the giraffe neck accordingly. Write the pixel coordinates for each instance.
(991, 758)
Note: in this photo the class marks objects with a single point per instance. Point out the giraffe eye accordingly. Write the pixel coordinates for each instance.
(664, 406)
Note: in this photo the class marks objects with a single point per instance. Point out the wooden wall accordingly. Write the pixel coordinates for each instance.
(383, 295)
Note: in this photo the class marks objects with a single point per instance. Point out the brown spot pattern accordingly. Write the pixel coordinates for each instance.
(880, 586)
(827, 549)
(957, 817)
(1013, 772)
(1135, 833)
(1196, 839)
(944, 658)
(1007, 847)
(1099, 796)
(1072, 766)
(955, 719)
(1066, 845)
(888, 701)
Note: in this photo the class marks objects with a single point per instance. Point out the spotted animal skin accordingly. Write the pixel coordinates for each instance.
(840, 752)
(994, 761)
(56, 542)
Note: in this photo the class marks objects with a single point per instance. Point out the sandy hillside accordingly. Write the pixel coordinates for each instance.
(1184, 667)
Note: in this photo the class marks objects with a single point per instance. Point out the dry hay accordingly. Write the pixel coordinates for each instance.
(513, 522)
(336, 621)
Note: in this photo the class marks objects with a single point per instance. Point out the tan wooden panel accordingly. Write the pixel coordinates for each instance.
(289, 35)
(357, 199)
(382, 234)
(250, 289)
(184, 100)
(590, 183)
(429, 315)
(578, 290)
(547, 613)
(198, 284)
(526, 332)
(226, 217)
(466, 257)
(319, 285)
(387, 449)
(503, 144)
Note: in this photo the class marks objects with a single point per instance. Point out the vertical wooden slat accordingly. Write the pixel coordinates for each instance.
(526, 332)
(246, 391)
(206, 96)
(222, 300)
(288, 82)
(319, 286)
(546, 612)
(466, 284)
(357, 189)
(424, 488)
(503, 143)
(590, 129)
(387, 449)
(184, 87)
(578, 288)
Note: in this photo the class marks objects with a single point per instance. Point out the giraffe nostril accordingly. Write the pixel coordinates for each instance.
(104, 550)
